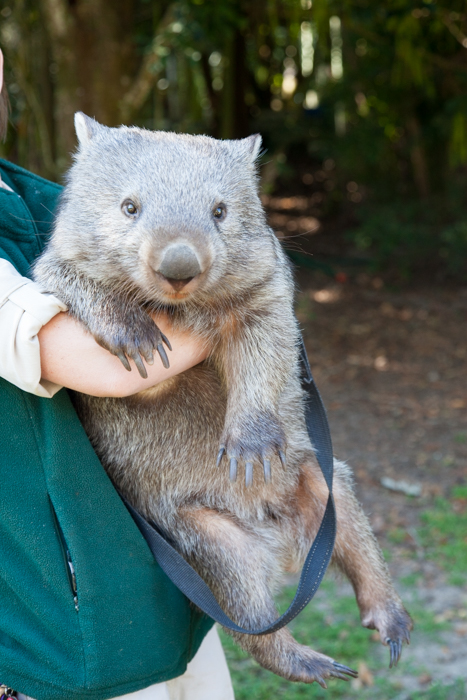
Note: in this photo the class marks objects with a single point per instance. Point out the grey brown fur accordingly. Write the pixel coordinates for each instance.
(160, 445)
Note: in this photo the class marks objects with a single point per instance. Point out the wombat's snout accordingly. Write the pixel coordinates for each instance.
(179, 265)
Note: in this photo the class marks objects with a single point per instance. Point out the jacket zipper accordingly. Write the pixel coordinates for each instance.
(70, 569)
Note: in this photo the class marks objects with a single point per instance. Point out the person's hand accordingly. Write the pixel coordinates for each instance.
(71, 357)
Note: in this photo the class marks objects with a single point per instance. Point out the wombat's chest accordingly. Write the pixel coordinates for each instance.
(166, 438)
(160, 448)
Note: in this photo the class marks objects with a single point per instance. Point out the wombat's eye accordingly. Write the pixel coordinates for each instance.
(129, 208)
(219, 212)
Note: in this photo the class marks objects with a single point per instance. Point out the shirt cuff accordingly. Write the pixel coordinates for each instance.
(24, 309)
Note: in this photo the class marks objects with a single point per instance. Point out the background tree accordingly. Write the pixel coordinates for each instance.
(379, 91)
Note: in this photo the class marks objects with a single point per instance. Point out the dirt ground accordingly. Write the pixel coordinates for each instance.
(392, 369)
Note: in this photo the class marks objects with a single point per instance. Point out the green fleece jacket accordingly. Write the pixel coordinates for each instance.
(130, 626)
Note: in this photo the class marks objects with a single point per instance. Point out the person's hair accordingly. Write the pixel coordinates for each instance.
(4, 109)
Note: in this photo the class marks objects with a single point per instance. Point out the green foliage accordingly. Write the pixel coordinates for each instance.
(443, 534)
(414, 234)
(456, 691)
(381, 90)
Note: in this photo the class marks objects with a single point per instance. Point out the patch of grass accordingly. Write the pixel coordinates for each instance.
(425, 620)
(443, 534)
(461, 437)
(397, 535)
(456, 691)
(387, 554)
(411, 580)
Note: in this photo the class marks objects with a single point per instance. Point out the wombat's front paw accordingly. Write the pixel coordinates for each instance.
(252, 439)
(134, 337)
(394, 625)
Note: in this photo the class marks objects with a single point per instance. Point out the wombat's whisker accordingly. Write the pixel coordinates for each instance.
(47, 209)
(33, 221)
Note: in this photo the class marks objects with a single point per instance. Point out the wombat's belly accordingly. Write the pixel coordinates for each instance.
(160, 448)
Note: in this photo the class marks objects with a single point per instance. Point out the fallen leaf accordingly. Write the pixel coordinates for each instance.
(365, 675)
(424, 678)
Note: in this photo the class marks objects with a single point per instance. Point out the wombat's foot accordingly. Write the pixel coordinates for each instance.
(320, 668)
(303, 665)
(394, 625)
(256, 439)
(134, 336)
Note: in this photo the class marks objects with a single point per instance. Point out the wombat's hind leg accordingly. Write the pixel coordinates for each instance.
(239, 565)
(358, 555)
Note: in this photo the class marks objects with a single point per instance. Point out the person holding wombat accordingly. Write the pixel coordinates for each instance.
(129, 631)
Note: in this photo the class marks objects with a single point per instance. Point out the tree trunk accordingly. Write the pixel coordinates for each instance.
(94, 59)
(418, 158)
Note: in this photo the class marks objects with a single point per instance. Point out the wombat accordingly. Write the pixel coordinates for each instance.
(153, 221)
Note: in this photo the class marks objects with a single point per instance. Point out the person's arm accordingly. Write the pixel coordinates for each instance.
(70, 357)
(42, 348)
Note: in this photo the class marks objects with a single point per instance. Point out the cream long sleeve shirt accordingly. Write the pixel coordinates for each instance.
(24, 309)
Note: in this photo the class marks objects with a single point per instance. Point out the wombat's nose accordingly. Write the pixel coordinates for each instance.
(179, 265)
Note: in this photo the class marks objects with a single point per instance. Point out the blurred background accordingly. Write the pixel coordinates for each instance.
(363, 110)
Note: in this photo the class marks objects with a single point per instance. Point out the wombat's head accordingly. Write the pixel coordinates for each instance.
(173, 216)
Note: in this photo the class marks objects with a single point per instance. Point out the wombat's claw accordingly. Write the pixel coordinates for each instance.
(395, 650)
(283, 459)
(233, 469)
(124, 360)
(138, 360)
(166, 340)
(248, 473)
(267, 470)
(163, 354)
(220, 454)
(344, 670)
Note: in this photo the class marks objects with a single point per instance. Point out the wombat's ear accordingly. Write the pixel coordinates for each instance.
(86, 128)
(252, 146)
